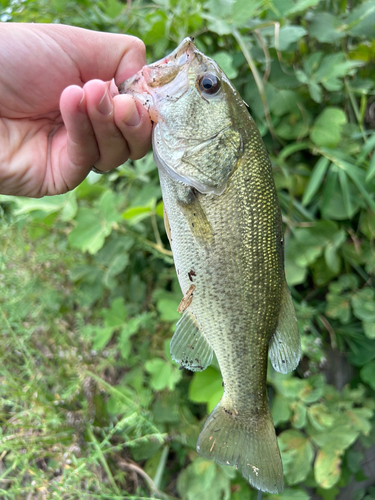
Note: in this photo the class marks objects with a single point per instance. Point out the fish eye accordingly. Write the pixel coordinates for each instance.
(209, 84)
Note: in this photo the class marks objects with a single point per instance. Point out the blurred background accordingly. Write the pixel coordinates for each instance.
(92, 407)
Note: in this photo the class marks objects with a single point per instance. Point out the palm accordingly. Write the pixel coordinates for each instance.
(54, 136)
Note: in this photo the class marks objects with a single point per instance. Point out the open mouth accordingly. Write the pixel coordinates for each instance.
(164, 79)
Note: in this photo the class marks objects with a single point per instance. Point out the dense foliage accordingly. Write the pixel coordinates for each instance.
(91, 404)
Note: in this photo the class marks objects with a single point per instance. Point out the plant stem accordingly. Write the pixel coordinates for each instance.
(103, 460)
(257, 78)
(161, 466)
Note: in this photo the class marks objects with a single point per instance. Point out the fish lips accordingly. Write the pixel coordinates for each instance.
(149, 85)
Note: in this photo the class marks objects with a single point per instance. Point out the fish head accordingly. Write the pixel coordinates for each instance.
(198, 117)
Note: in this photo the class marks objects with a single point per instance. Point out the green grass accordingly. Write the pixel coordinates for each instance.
(58, 439)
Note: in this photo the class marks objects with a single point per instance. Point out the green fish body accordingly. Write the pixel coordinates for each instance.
(224, 225)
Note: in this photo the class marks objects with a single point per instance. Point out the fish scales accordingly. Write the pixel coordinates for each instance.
(224, 225)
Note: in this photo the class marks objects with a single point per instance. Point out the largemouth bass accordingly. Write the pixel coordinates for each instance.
(224, 225)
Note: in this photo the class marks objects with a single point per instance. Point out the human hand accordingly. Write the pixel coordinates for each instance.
(58, 112)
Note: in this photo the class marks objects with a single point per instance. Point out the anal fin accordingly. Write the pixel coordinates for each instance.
(189, 347)
(285, 344)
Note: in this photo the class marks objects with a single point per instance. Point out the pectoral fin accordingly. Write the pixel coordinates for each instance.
(211, 162)
(195, 216)
(285, 344)
(189, 347)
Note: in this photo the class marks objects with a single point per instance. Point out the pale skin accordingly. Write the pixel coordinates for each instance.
(60, 115)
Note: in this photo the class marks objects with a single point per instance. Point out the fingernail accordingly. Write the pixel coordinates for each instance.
(105, 105)
(132, 119)
(82, 104)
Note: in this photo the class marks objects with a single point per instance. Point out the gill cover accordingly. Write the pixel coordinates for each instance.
(195, 139)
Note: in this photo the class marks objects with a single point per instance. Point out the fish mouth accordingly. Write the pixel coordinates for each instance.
(147, 85)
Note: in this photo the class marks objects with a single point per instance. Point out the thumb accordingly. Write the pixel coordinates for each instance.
(99, 55)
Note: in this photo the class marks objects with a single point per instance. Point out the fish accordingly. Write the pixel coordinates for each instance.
(223, 222)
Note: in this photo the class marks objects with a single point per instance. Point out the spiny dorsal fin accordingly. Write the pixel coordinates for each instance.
(285, 344)
(189, 347)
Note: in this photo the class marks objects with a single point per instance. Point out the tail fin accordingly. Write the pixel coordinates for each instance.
(249, 444)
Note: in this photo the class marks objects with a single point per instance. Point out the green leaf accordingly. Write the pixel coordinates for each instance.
(130, 328)
(205, 480)
(243, 10)
(225, 14)
(65, 203)
(369, 329)
(316, 179)
(317, 235)
(289, 35)
(107, 207)
(90, 231)
(313, 389)
(225, 61)
(320, 417)
(167, 304)
(326, 27)
(159, 210)
(360, 419)
(115, 316)
(163, 374)
(156, 27)
(116, 267)
(362, 350)
(286, 101)
(303, 5)
(338, 307)
(298, 419)
(363, 303)
(297, 454)
(136, 214)
(361, 20)
(368, 374)
(218, 26)
(102, 337)
(295, 275)
(338, 437)
(280, 410)
(327, 468)
(311, 63)
(99, 336)
(327, 128)
(206, 387)
(332, 68)
(113, 8)
(219, 16)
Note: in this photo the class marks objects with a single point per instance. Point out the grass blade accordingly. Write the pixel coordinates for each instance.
(316, 179)
(345, 193)
(357, 175)
(371, 170)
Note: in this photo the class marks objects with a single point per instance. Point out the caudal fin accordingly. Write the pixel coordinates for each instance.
(249, 444)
